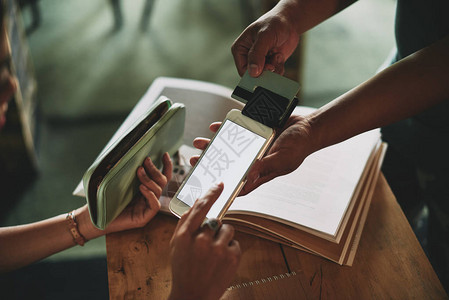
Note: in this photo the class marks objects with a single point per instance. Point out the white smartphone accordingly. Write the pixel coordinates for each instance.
(237, 144)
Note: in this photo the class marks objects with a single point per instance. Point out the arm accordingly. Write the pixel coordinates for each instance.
(400, 91)
(24, 244)
(406, 88)
(269, 41)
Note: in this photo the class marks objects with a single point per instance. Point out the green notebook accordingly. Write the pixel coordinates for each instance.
(111, 182)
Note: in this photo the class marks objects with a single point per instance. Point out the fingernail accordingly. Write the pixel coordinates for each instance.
(142, 171)
(253, 70)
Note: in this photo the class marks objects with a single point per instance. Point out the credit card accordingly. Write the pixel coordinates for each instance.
(271, 81)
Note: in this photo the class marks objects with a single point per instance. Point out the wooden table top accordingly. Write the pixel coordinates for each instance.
(389, 263)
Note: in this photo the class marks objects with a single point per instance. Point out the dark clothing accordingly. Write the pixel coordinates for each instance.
(417, 162)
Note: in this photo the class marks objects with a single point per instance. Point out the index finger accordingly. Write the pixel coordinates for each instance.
(201, 207)
(258, 52)
(239, 51)
(167, 168)
(153, 173)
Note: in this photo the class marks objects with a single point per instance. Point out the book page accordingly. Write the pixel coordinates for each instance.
(317, 194)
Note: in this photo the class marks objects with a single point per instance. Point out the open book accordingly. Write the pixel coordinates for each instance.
(321, 207)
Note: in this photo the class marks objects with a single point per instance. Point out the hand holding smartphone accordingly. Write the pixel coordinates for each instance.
(237, 144)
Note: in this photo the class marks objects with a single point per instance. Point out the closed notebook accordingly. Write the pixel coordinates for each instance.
(111, 181)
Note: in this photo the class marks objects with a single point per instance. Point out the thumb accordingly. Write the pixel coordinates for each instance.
(262, 171)
(257, 55)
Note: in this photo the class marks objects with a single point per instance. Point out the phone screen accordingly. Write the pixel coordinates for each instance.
(226, 160)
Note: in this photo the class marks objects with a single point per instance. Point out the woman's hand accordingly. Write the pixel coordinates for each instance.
(204, 261)
(142, 209)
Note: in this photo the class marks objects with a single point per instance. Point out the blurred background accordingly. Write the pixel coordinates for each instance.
(83, 65)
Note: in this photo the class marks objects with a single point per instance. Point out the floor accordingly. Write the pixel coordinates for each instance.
(91, 71)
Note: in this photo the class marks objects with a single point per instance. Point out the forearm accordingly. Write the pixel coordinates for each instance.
(306, 14)
(25, 244)
(403, 90)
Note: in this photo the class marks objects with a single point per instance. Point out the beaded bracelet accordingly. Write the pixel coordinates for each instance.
(73, 228)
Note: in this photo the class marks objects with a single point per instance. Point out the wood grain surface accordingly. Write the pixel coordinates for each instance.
(389, 264)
